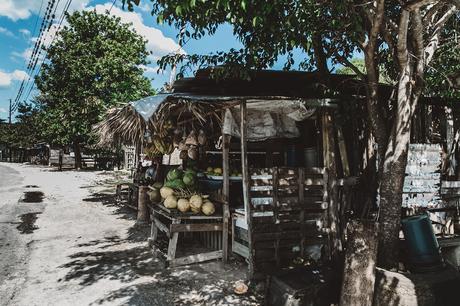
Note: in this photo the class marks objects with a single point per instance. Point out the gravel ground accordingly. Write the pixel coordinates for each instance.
(65, 241)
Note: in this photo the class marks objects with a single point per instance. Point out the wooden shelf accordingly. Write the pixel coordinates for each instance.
(237, 152)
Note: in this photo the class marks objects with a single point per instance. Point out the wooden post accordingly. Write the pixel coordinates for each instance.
(275, 179)
(301, 186)
(172, 246)
(225, 194)
(343, 152)
(245, 182)
(244, 159)
(142, 209)
(450, 140)
(360, 261)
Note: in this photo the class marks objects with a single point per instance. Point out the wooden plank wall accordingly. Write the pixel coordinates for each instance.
(288, 212)
(423, 177)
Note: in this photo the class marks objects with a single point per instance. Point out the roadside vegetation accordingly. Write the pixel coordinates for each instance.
(95, 64)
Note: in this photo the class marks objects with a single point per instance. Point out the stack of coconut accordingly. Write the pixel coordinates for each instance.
(184, 202)
(180, 192)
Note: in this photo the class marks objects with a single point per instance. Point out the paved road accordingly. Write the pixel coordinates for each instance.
(14, 246)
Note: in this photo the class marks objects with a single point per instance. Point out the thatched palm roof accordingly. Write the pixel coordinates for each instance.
(202, 94)
(121, 125)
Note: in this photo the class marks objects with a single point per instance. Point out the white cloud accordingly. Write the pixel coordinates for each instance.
(25, 32)
(23, 9)
(6, 32)
(24, 54)
(2, 110)
(7, 78)
(18, 9)
(157, 43)
(77, 5)
(145, 7)
(149, 69)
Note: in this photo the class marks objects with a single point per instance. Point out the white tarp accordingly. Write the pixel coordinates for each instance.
(147, 106)
(268, 119)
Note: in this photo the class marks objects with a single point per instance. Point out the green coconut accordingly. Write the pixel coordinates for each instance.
(174, 174)
(189, 179)
(155, 195)
(175, 184)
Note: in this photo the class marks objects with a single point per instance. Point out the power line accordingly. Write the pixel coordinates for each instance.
(66, 8)
(44, 30)
(24, 63)
(46, 17)
(113, 3)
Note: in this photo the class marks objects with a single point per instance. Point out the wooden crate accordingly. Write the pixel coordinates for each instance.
(288, 214)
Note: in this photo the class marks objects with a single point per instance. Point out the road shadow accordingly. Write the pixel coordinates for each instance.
(125, 264)
(110, 200)
(125, 260)
(130, 260)
(200, 284)
(172, 288)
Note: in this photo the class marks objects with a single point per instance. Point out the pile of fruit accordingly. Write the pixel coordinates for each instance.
(218, 172)
(214, 171)
(180, 192)
(178, 179)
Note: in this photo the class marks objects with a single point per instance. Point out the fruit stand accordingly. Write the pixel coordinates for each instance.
(172, 223)
(267, 158)
(280, 213)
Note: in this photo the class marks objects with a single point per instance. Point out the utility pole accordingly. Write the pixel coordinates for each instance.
(9, 116)
(172, 77)
(9, 127)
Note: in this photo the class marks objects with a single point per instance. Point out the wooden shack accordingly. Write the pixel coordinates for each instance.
(300, 143)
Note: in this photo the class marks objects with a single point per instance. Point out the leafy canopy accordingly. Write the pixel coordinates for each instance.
(93, 65)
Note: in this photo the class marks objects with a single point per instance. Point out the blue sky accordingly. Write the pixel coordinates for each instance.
(17, 23)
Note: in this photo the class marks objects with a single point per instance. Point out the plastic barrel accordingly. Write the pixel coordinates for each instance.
(423, 247)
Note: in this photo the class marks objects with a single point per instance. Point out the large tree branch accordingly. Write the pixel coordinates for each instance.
(434, 41)
(431, 13)
(417, 25)
(376, 23)
(418, 4)
(345, 62)
(320, 55)
(401, 45)
(375, 15)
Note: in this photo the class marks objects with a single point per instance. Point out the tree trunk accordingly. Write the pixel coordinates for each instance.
(77, 152)
(393, 172)
(142, 209)
(360, 261)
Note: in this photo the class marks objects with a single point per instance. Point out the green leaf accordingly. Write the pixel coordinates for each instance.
(160, 18)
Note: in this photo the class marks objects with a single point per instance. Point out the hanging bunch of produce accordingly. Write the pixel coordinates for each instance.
(185, 132)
